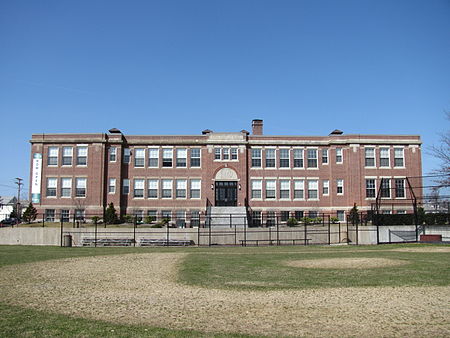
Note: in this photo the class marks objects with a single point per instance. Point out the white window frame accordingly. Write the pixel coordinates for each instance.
(52, 183)
(403, 157)
(339, 155)
(199, 157)
(266, 158)
(181, 185)
(53, 152)
(301, 157)
(340, 187)
(139, 184)
(152, 184)
(165, 156)
(374, 187)
(256, 158)
(80, 150)
(194, 185)
(299, 185)
(112, 154)
(326, 185)
(166, 185)
(285, 185)
(153, 154)
(66, 183)
(181, 154)
(313, 185)
(126, 186)
(325, 154)
(126, 155)
(256, 185)
(374, 157)
(139, 155)
(65, 155)
(271, 185)
(315, 151)
(288, 158)
(388, 157)
(112, 186)
(80, 185)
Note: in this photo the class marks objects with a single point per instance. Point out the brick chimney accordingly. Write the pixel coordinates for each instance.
(257, 127)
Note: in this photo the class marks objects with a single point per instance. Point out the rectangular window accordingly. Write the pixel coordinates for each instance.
(181, 216)
(298, 215)
(181, 186)
(285, 189)
(112, 186)
(195, 158)
(79, 214)
(195, 188)
(284, 216)
(152, 188)
(312, 158)
(384, 157)
(52, 156)
(270, 158)
(138, 188)
(153, 157)
(256, 218)
(256, 188)
(340, 187)
(234, 153)
(139, 157)
(166, 188)
(65, 215)
(284, 158)
(256, 158)
(298, 158)
(326, 187)
(82, 153)
(167, 158)
(369, 157)
(225, 154)
(399, 187)
(80, 187)
(270, 218)
(313, 188)
(125, 186)
(52, 184)
(152, 214)
(399, 157)
(181, 158)
(339, 157)
(126, 155)
(49, 215)
(66, 187)
(270, 189)
(370, 188)
(217, 153)
(299, 189)
(67, 156)
(166, 214)
(195, 218)
(324, 156)
(112, 154)
(340, 215)
(385, 187)
(138, 215)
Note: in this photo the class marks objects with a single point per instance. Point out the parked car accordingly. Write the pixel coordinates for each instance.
(9, 222)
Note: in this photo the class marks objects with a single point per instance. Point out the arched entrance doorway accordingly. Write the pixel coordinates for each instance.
(226, 187)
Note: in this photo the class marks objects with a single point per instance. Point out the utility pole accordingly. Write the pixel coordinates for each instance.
(19, 184)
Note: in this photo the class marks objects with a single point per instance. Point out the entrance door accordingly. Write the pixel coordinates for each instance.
(226, 193)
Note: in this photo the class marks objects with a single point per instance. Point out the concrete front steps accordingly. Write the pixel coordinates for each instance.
(228, 216)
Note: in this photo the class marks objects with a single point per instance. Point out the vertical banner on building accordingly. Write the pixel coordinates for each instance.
(36, 179)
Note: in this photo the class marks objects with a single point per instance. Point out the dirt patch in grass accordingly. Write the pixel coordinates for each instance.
(142, 289)
(345, 263)
(424, 249)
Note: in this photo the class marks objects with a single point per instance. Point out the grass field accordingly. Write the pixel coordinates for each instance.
(232, 292)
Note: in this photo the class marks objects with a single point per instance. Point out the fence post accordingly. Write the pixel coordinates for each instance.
(95, 239)
(305, 235)
(134, 230)
(61, 234)
(167, 234)
(329, 231)
(235, 235)
(198, 232)
(278, 230)
(231, 220)
(43, 220)
(209, 234)
(357, 234)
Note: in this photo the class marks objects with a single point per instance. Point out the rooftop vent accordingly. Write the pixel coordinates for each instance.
(336, 132)
(115, 131)
(206, 132)
(243, 131)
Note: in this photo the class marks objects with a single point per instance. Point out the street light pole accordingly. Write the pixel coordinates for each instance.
(19, 184)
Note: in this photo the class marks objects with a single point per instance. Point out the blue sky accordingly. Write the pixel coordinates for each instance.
(178, 67)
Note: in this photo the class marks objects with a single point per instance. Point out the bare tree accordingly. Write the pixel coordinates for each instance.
(442, 152)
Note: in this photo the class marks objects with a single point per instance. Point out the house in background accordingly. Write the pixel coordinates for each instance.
(7, 205)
